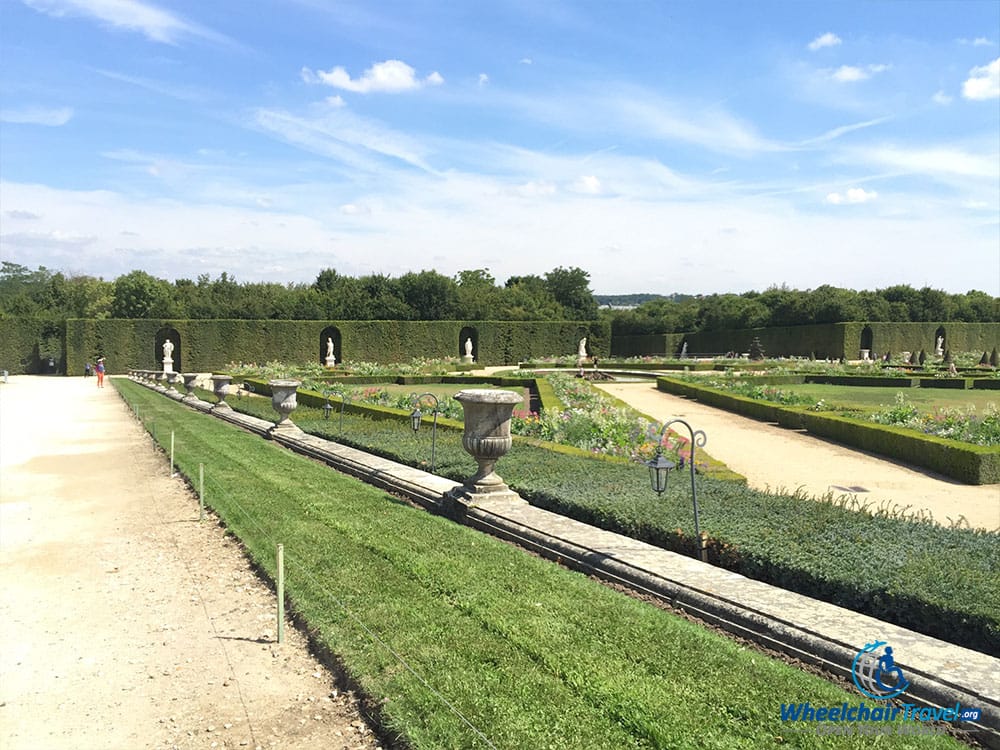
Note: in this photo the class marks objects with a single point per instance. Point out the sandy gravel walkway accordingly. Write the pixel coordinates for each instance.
(771, 456)
(125, 623)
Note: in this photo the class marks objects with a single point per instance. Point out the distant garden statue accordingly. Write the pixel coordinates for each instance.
(168, 359)
(581, 352)
(331, 360)
(467, 357)
(756, 350)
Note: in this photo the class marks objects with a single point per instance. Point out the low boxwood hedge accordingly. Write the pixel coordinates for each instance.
(972, 464)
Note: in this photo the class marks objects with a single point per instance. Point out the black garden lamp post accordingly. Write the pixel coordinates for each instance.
(328, 407)
(659, 470)
(416, 416)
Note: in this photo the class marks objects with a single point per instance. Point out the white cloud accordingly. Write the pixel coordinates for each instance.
(483, 79)
(390, 76)
(353, 209)
(22, 215)
(979, 41)
(851, 73)
(829, 39)
(843, 130)
(852, 195)
(588, 184)
(941, 98)
(535, 189)
(983, 82)
(343, 136)
(52, 118)
(526, 61)
(128, 15)
(335, 101)
(938, 161)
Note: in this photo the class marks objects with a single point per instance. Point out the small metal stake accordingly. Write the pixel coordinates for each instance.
(172, 475)
(201, 492)
(281, 593)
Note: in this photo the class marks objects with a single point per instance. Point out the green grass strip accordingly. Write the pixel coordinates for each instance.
(532, 655)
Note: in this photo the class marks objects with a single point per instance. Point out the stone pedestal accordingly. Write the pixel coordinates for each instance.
(486, 438)
(331, 361)
(283, 401)
(220, 384)
(865, 355)
(468, 359)
(168, 364)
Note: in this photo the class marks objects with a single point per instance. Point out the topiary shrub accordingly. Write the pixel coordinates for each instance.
(756, 350)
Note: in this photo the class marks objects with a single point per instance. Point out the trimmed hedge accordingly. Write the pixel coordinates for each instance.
(972, 464)
(832, 340)
(27, 345)
(206, 345)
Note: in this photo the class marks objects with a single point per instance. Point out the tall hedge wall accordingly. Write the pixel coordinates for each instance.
(210, 344)
(833, 340)
(27, 345)
(657, 344)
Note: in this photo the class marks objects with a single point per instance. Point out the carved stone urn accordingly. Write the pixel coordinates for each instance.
(189, 378)
(172, 378)
(283, 401)
(220, 384)
(487, 437)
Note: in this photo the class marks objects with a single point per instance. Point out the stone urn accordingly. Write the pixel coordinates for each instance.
(189, 378)
(172, 378)
(283, 400)
(487, 436)
(220, 384)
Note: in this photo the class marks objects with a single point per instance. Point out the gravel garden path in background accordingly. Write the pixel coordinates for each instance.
(773, 457)
(125, 622)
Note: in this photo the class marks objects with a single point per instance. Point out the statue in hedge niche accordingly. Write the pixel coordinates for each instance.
(939, 346)
(581, 354)
(331, 359)
(168, 358)
(467, 357)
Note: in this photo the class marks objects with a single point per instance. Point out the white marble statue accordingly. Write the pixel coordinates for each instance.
(168, 359)
(939, 346)
(468, 347)
(329, 347)
(582, 349)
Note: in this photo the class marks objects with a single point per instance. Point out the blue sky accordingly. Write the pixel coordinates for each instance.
(665, 147)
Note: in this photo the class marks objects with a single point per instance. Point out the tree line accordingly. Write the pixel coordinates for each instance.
(560, 294)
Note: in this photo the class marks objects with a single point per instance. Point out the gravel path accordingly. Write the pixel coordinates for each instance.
(774, 457)
(125, 622)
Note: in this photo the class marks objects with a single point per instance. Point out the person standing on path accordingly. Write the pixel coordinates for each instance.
(100, 372)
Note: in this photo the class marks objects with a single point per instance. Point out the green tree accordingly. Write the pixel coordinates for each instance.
(431, 295)
(571, 289)
(478, 297)
(139, 295)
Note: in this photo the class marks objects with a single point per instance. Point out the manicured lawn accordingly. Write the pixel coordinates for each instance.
(447, 629)
(868, 398)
